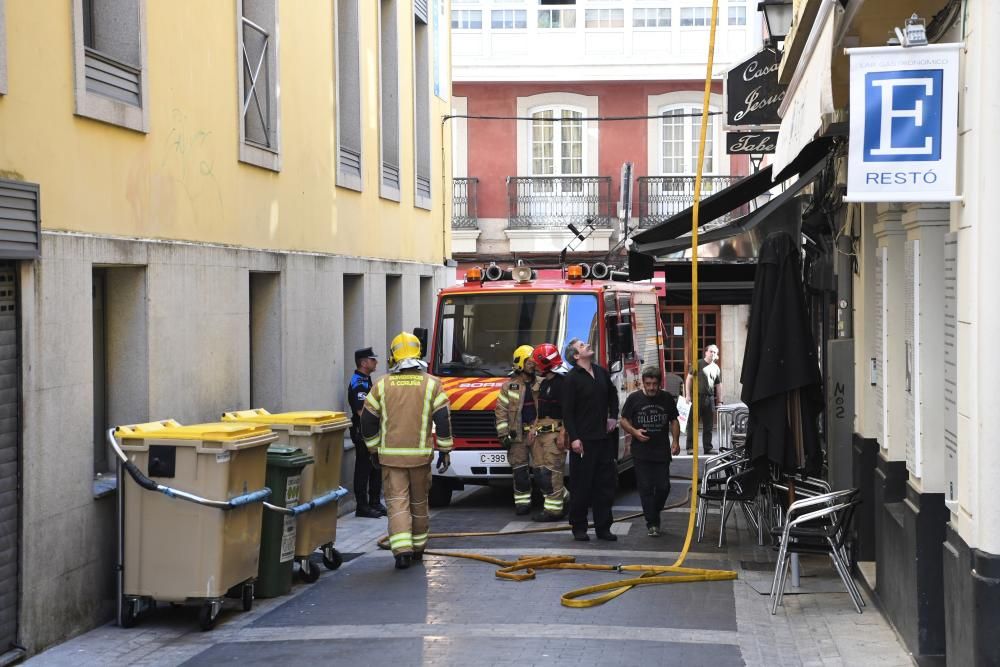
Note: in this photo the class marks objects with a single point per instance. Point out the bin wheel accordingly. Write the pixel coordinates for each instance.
(208, 615)
(307, 571)
(332, 558)
(129, 613)
(247, 596)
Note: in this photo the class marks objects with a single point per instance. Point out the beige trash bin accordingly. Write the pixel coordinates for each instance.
(176, 551)
(320, 434)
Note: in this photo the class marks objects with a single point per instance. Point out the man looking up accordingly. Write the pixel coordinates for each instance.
(590, 414)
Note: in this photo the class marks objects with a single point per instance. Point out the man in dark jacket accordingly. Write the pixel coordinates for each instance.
(367, 478)
(590, 417)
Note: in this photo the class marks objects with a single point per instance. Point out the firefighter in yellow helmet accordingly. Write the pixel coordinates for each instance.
(396, 424)
(515, 413)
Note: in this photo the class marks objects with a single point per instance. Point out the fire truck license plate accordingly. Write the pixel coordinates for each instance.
(494, 457)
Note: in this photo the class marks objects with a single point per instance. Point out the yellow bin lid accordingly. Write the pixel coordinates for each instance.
(312, 419)
(169, 429)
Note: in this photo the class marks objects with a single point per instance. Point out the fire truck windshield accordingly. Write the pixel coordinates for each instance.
(477, 333)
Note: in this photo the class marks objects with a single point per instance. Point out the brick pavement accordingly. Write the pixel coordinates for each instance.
(451, 611)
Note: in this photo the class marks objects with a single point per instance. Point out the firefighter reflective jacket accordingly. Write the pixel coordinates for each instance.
(397, 418)
(508, 409)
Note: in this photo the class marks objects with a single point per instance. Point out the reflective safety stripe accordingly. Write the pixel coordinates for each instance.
(502, 398)
(501, 425)
(442, 399)
(428, 389)
(405, 451)
(522, 498)
(553, 504)
(444, 444)
(373, 442)
(401, 540)
(420, 539)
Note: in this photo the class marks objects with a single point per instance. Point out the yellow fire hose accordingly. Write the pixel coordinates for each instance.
(524, 568)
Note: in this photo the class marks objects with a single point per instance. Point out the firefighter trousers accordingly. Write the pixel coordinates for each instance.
(406, 492)
(517, 458)
(550, 461)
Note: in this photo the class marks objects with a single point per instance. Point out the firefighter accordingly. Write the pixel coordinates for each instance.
(396, 425)
(515, 412)
(549, 448)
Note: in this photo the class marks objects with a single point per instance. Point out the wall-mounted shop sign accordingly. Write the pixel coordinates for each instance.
(751, 143)
(904, 124)
(753, 93)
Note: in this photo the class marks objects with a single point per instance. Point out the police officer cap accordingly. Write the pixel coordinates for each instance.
(364, 353)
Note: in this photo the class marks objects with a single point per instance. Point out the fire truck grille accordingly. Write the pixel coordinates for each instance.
(473, 424)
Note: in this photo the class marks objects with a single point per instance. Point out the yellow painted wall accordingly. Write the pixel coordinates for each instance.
(183, 180)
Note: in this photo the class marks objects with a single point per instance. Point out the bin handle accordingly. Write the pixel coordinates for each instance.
(325, 499)
(145, 482)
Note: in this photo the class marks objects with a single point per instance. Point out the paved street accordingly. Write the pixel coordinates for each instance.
(454, 611)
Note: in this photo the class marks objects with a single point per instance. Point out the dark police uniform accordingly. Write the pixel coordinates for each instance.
(367, 480)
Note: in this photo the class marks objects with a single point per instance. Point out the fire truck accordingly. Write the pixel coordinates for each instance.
(480, 322)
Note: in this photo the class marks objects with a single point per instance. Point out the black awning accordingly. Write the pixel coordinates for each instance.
(739, 193)
(739, 225)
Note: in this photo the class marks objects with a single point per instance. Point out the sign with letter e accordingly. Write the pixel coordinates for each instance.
(904, 124)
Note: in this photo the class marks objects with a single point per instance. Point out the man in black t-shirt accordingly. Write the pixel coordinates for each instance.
(650, 417)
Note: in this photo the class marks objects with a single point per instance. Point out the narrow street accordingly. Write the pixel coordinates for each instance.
(455, 611)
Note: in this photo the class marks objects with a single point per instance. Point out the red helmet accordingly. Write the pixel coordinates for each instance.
(546, 357)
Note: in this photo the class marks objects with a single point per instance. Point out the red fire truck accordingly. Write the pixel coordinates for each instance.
(480, 322)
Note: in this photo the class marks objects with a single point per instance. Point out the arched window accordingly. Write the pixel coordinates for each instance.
(556, 141)
(680, 129)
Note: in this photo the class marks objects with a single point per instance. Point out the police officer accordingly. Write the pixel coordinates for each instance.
(396, 423)
(367, 478)
(515, 412)
(548, 451)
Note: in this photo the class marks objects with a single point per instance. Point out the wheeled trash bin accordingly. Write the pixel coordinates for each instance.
(319, 434)
(190, 518)
(277, 542)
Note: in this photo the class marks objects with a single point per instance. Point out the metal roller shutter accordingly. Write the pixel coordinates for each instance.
(10, 510)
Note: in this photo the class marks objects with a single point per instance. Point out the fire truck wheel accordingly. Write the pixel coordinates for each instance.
(440, 494)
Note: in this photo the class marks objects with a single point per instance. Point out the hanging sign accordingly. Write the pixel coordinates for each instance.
(904, 124)
(753, 93)
(751, 143)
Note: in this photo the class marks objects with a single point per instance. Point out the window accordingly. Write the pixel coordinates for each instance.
(3, 50)
(605, 18)
(738, 15)
(556, 18)
(466, 19)
(557, 142)
(651, 17)
(680, 128)
(258, 81)
(508, 19)
(348, 85)
(677, 335)
(110, 62)
(696, 17)
(421, 113)
(389, 99)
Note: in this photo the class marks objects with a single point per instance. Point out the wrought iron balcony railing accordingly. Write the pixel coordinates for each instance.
(556, 201)
(661, 197)
(464, 203)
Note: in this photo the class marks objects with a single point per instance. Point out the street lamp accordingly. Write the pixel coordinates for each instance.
(778, 16)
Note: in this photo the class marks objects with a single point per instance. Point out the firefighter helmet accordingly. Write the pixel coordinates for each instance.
(546, 358)
(404, 346)
(522, 355)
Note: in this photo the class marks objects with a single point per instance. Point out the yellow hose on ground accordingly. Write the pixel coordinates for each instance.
(524, 568)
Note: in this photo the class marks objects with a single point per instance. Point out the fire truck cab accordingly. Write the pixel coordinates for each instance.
(480, 322)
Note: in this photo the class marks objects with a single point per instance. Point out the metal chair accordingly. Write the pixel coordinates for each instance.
(817, 525)
(729, 481)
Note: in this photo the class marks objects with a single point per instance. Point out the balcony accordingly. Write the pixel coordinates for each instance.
(661, 197)
(553, 202)
(464, 203)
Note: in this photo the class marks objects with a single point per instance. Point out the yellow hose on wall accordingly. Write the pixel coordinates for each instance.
(524, 568)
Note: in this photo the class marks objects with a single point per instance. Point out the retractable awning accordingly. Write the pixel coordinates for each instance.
(739, 193)
(738, 226)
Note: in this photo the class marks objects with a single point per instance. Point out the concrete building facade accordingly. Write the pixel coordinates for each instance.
(226, 199)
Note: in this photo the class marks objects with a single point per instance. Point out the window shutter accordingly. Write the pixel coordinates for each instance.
(20, 222)
(420, 10)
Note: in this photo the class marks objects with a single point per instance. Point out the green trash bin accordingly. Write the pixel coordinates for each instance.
(277, 540)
